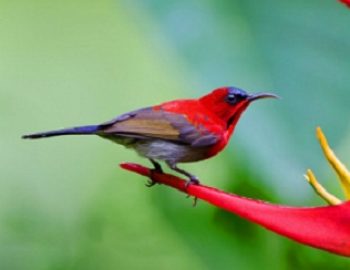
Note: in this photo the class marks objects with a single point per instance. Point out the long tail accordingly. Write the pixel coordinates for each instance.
(83, 130)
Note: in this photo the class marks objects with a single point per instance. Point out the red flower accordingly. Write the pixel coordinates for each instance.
(326, 227)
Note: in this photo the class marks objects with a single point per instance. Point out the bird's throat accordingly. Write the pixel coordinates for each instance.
(231, 121)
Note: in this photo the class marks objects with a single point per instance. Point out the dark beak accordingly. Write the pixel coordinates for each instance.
(253, 97)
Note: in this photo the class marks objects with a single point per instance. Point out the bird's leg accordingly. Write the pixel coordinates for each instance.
(157, 168)
(192, 178)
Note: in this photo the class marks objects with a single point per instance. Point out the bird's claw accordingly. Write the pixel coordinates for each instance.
(192, 181)
(157, 169)
(195, 199)
(150, 183)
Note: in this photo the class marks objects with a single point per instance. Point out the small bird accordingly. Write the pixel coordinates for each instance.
(184, 130)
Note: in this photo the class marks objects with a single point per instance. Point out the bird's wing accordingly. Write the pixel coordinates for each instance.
(151, 123)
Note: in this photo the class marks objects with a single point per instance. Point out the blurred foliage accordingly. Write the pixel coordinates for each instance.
(64, 203)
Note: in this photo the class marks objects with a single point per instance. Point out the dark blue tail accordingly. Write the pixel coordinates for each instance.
(84, 130)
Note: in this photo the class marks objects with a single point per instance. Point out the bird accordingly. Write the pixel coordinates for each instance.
(177, 131)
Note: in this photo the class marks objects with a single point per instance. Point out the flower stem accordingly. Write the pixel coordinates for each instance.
(326, 227)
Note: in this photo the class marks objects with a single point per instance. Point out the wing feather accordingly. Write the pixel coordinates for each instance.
(149, 123)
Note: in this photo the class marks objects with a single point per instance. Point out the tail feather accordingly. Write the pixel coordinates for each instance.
(83, 130)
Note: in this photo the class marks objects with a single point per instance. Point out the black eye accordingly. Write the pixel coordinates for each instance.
(231, 98)
(235, 95)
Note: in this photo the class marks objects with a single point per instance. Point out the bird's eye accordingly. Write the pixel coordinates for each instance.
(231, 98)
(235, 95)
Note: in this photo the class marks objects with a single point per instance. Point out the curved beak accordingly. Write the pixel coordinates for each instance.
(256, 96)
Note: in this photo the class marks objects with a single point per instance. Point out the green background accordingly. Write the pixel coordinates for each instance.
(65, 204)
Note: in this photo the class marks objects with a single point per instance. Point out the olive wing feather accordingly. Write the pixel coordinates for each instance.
(149, 123)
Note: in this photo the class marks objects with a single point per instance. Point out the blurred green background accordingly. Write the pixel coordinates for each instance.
(65, 204)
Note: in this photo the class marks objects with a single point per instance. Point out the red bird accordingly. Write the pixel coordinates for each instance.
(177, 131)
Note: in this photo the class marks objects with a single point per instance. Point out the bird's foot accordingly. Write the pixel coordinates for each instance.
(150, 183)
(192, 181)
(195, 199)
(157, 169)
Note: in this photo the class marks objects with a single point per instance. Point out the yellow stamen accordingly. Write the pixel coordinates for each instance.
(320, 190)
(338, 166)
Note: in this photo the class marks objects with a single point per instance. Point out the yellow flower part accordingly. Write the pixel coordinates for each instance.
(320, 190)
(342, 172)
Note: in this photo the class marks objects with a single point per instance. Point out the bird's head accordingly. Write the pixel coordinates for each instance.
(228, 103)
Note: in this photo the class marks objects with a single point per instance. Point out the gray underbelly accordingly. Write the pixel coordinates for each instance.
(169, 151)
(160, 149)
